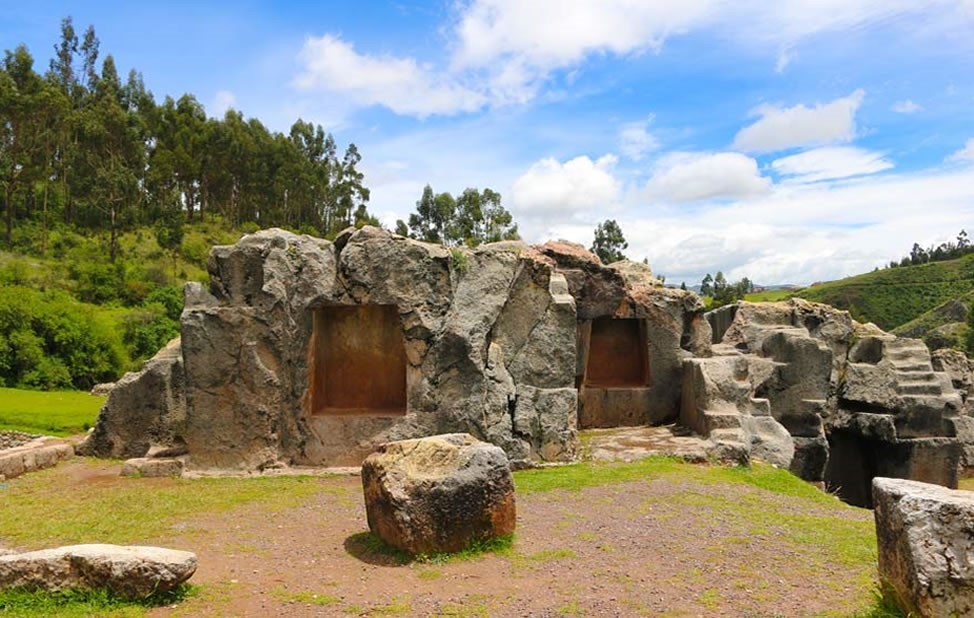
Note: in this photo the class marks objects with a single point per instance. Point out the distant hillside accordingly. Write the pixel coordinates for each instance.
(944, 326)
(894, 296)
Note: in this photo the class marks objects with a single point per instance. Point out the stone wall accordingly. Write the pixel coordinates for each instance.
(486, 343)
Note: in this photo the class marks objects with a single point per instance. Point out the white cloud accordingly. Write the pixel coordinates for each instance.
(781, 128)
(551, 187)
(830, 163)
(222, 101)
(906, 107)
(401, 84)
(686, 177)
(553, 33)
(635, 140)
(965, 154)
(785, 56)
(800, 233)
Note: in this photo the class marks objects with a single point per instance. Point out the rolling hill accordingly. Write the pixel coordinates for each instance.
(894, 296)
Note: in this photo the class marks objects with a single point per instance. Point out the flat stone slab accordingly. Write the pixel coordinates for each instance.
(926, 545)
(150, 467)
(132, 572)
(37, 454)
(632, 443)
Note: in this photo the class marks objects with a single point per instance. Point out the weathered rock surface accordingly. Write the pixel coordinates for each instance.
(132, 572)
(103, 389)
(309, 352)
(144, 408)
(151, 467)
(35, 454)
(438, 494)
(488, 337)
(926, 546)
(854, 401)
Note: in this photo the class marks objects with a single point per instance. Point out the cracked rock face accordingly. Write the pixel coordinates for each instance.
(925, 535)
(309, 352)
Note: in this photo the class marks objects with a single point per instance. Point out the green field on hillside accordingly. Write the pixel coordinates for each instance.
(894, 296)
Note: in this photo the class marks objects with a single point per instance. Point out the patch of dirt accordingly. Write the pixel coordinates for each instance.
(647, 548)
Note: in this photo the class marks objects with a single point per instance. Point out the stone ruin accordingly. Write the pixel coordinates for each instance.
(305, 352)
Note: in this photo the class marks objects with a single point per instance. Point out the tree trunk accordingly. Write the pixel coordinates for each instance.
(9, 205)
(113, 242)
(44, 222)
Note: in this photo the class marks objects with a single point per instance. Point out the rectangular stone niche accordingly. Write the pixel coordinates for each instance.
(615, 388)
(617, 354)
(358, 360)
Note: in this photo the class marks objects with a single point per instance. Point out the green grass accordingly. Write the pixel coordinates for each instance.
(130, 510)
(79, 604)
(58, 413)
(303, 596)
(769, 296)
(375, 546)
(574, 477)
(894, 296)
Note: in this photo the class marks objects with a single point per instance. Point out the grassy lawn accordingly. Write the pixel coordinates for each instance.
(769, 296)
(56, 413)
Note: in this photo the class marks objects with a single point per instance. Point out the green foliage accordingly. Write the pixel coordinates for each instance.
(894, 296)
(475, 218)
(57, 413)
(460, 261)
(609, 242)
(80, 146)
(83, 603)
(48, 340)
(723, 293)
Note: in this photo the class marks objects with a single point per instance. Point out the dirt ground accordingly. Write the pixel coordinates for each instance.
(645, 548)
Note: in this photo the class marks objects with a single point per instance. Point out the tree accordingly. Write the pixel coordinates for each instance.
(683, 286)
(609, 242)
(476, 217)
(707, 286)
(169, 233)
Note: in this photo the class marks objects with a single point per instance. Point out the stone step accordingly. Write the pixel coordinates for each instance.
(721, 420)
(923, 400)
(726, 435)
(918, 388)
(905, 366)
(917, 374)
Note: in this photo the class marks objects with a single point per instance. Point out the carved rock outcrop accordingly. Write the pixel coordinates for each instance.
(309, 352)
(857, 402)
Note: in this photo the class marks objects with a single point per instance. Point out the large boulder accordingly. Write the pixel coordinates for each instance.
(438, 494)
(132, 572)
(145, 408)
(926, 546)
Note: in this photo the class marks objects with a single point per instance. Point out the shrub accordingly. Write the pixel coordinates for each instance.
(49, 340)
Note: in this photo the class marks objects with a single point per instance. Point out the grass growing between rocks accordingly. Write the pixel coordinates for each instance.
(574, 477)
(368, 544)
(127, 511)
(56, 413)
(78, 604)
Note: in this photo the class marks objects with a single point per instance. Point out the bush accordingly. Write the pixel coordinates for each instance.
(49, 340)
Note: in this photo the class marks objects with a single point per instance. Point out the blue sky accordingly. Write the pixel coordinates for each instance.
(789, 141)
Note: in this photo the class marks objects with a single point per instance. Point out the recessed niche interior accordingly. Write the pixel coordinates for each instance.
(617, 354)
(358, 361)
